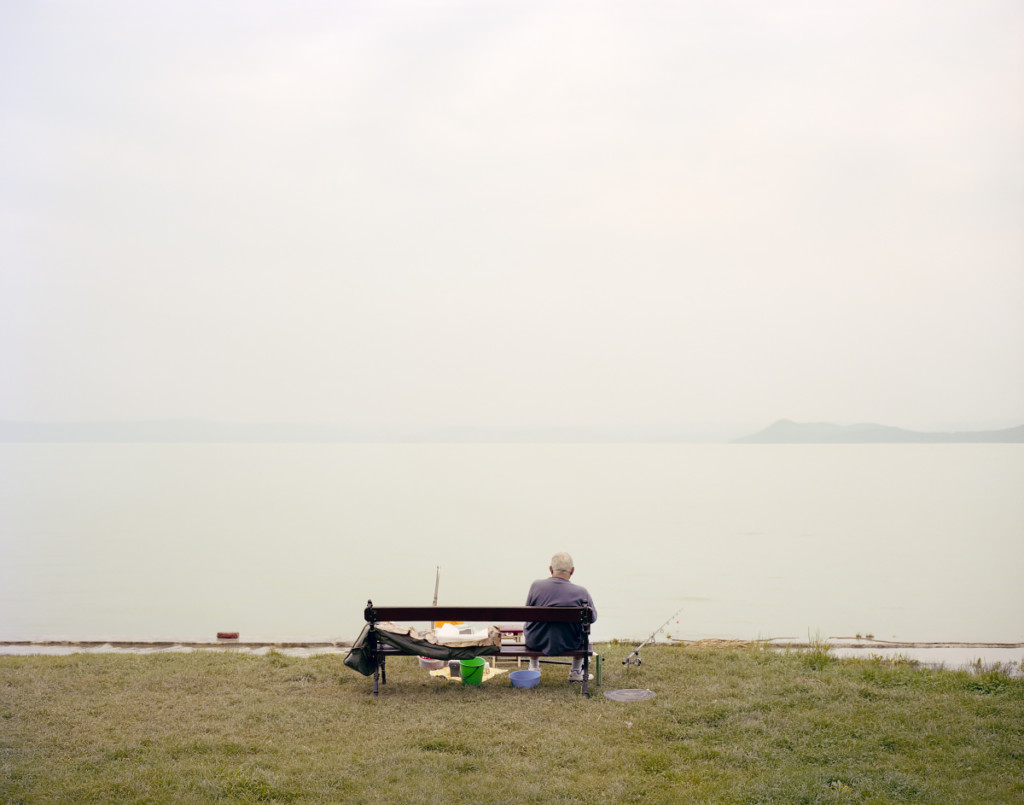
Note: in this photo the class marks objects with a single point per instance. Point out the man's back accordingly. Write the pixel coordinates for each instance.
(555, 638)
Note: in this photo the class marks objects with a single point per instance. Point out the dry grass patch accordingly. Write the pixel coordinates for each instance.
(734, 725)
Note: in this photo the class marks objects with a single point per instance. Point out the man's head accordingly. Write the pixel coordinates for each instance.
(561, 565)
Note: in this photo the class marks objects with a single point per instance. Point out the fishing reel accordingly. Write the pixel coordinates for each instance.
(632, 659)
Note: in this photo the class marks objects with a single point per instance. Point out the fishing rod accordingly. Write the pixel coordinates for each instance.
(634, 658)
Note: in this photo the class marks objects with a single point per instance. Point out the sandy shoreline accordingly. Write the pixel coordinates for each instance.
(928, 653)
(932, 654)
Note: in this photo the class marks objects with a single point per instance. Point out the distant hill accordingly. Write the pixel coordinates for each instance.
(787, 432)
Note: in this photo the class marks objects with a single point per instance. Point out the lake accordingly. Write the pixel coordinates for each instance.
(288, 541)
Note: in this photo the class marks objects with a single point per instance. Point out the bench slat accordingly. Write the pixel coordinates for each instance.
(471, 614)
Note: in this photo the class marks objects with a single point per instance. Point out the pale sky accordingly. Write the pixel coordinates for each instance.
(510, 214)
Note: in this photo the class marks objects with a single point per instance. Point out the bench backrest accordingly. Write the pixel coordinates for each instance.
(375, 614)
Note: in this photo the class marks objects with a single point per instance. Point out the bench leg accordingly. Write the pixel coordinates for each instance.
(376, 678)
(586, 675)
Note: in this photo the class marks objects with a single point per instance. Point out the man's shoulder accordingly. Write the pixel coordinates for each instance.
(569, 589)
(568, 584)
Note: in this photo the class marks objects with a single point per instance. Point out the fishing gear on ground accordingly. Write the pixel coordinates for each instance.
(634, 658)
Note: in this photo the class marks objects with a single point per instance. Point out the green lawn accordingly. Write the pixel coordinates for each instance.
(727, 725)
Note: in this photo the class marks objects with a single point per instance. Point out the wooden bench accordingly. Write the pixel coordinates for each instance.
(379, 651)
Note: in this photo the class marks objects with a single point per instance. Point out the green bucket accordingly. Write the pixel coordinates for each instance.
(473, 670)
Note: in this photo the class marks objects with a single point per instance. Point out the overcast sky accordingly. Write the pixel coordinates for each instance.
(513, 214)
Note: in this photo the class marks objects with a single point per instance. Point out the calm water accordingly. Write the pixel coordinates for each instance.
(125, 542)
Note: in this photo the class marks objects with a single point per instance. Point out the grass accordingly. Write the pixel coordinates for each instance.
(744, 725)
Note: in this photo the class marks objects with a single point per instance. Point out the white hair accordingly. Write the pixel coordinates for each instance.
(561, 562)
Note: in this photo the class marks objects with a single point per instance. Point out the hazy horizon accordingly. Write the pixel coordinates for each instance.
(213, 431)
(645, 215)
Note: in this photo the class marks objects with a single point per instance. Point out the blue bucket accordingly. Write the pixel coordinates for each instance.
(524, 679)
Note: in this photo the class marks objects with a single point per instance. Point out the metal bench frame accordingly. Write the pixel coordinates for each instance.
(379, 650)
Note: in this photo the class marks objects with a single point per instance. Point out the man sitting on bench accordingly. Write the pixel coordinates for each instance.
(554, 639)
